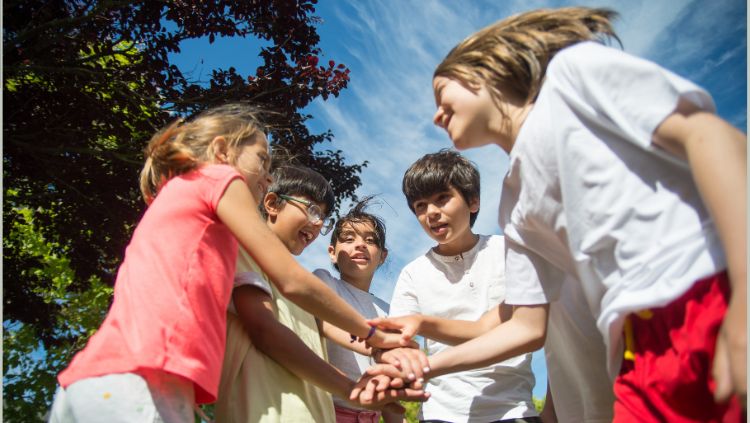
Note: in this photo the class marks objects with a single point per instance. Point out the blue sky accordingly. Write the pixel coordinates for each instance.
(392, 48)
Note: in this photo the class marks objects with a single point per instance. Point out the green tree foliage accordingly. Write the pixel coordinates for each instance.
(86, 82)
(29, 366)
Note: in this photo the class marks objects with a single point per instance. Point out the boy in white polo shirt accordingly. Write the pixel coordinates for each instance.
(462, 277)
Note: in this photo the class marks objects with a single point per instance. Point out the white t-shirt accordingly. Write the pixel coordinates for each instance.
(465, 287)
(576, 361)
(369, 306)
(587, 194)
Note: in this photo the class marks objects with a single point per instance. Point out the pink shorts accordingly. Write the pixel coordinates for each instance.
(348, 415)
(666, 373)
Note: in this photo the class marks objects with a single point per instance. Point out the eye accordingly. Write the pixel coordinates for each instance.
(419, 206)
(370, 240)
(443, 198)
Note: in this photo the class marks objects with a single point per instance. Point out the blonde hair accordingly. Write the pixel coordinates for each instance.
(186, 145)
(513, 54)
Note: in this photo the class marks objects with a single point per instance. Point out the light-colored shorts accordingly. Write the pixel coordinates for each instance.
(149, 396)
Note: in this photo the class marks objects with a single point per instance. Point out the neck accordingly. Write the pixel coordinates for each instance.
(506, 132)
(462, 244)
(362, 282)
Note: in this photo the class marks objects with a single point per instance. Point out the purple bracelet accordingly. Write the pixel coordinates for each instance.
(369, 335)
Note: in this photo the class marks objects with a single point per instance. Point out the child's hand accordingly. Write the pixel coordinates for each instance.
(409, 326)
(730, 361)
(411, 361)
(390, 339)
(375, 391)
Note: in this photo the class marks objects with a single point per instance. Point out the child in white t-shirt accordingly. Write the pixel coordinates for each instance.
(462, 277)
(621, 180)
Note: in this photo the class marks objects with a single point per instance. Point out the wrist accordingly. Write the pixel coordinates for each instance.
(370, 334)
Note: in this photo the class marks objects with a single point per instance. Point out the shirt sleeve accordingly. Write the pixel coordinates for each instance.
(530, 279)
(626, 94)
(404, 300)
(248, 273)
(218, 177)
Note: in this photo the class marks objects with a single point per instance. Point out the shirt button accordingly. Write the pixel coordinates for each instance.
(471, 284)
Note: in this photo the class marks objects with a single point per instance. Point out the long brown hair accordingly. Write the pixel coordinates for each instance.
(513, 54)
(186, 145)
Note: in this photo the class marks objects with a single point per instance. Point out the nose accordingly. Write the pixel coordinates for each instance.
(432, 209)
(437, 119)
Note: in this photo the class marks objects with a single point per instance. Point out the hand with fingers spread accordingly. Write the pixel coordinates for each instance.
(412, 362)
(386, 339)
(407, 326)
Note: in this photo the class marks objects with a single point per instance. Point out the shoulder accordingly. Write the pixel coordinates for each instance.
(218, 170)
(326, 277)
(417, 265)
(381, 306)
(592, 59)
(494, 241)
(584, 53)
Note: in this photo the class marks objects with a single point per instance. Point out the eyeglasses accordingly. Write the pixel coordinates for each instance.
(314, 213)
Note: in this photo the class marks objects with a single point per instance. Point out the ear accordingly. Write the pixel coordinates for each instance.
(383, 255)
(474, 205)
(272, 204)
(219, 148)
(332, 253)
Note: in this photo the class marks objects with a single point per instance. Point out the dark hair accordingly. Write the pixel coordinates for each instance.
(437, 172)
(300, 180)
(357, 214)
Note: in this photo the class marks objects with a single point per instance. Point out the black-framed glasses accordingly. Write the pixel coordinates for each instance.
(314, 213)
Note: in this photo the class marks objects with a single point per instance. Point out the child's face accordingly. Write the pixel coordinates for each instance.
(356, 252)
(445, 216)
(254, 162)
(288, 220)
(470, 118)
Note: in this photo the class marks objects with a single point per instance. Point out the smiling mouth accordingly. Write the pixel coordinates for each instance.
(439, 229)
(306, 237)
(359, 258)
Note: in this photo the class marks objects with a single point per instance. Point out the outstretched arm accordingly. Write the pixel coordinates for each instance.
(451, 332)
(237, 209)
(281, 344)
(410, 360)
(717, 155)
(523, 333)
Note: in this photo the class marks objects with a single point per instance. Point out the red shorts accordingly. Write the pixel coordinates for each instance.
(348, 415)
(667, 375)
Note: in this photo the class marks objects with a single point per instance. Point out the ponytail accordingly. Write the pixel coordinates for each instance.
(186, 145)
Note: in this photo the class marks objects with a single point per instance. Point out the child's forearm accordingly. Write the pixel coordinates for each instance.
(454, 332)
(523, 333)
(717, 155)
(238, 211)
(342, 338)
(282, 345)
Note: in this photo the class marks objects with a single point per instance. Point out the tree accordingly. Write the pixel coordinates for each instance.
(86, 82)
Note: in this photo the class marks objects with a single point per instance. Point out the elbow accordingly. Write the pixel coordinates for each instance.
(537, 338)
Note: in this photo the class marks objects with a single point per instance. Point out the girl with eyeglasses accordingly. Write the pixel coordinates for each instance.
(275, 365)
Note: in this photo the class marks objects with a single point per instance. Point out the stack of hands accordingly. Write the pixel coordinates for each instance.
(401, 370)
